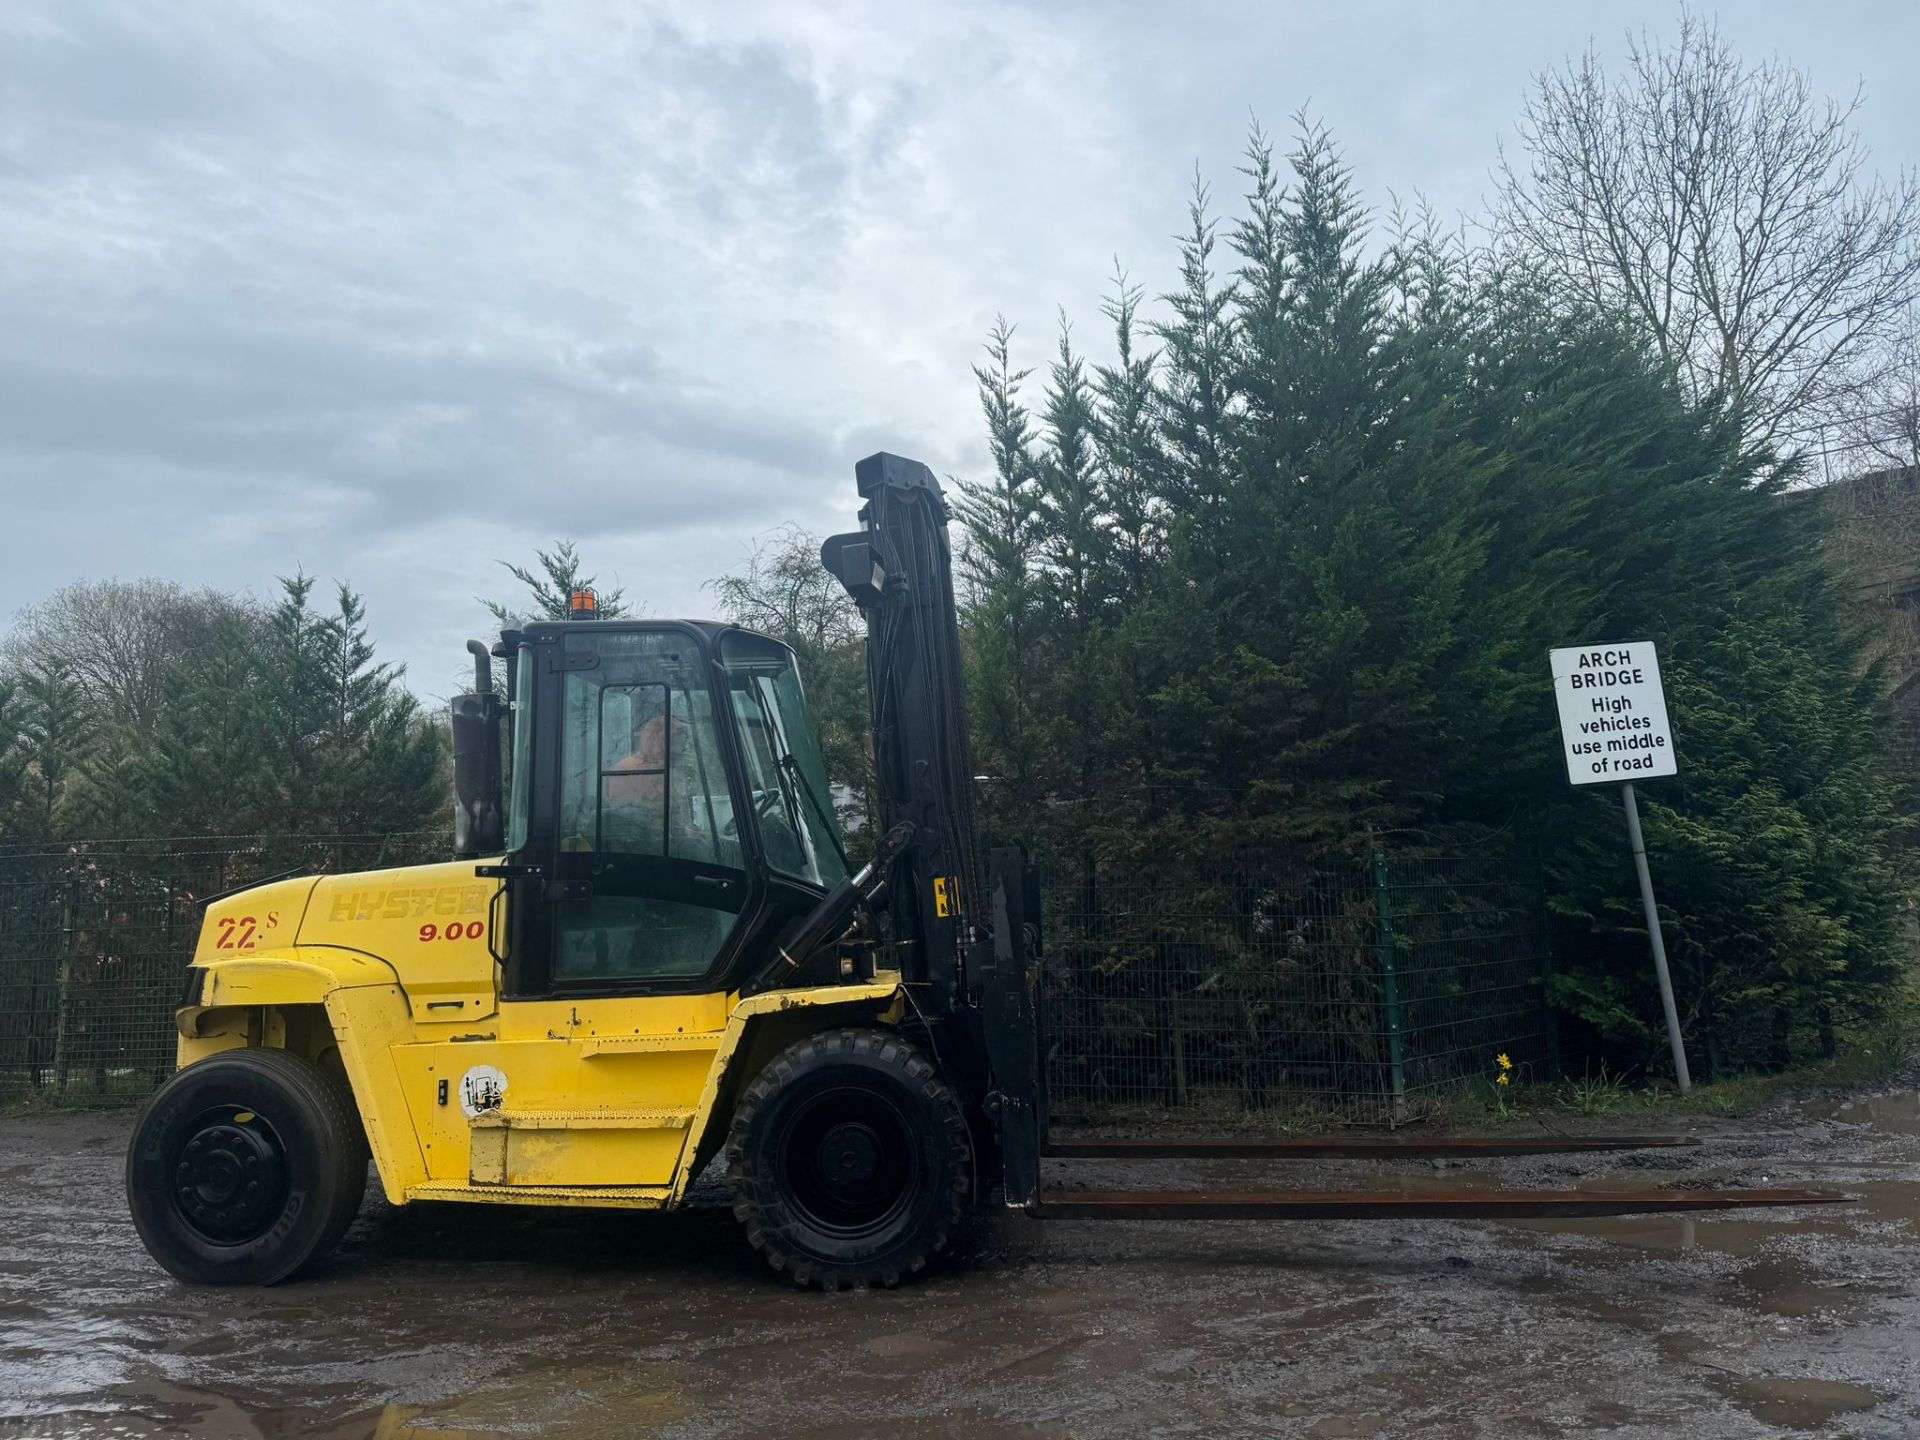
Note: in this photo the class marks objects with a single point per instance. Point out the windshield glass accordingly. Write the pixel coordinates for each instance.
(786, 781)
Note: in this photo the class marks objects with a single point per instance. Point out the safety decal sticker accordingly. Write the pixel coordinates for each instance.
(482, 1089)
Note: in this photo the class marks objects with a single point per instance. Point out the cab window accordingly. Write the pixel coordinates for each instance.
(646, 821)
(786, 779)
(641, 772)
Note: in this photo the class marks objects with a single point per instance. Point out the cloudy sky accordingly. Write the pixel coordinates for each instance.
(391, 292)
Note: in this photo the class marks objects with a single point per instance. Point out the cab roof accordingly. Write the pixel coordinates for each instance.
(708, 630)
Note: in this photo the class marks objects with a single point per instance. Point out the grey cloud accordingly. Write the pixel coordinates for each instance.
(387, 293)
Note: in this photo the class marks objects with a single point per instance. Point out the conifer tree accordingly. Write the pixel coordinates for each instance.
(1197, 382)
(214, 764)
(1343, 514)
(293, 681)
(1129, 466)
(13, 760)
(1002, 525)
(1336, 299)
(1002, 515)
(378, 761)
(550, 584)
(252, 720)
(1269, 423)
(1072, 529)
(55, 742)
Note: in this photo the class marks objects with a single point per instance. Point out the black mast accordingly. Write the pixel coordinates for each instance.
(899, 570)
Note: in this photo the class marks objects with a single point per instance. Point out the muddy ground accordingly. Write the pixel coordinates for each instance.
(457, 1320)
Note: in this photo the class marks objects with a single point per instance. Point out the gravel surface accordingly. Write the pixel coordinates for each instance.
(448, 1319)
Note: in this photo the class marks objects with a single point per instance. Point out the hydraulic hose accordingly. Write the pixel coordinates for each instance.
(828, 918)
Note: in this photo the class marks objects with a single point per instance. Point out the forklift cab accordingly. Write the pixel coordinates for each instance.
(668, 811)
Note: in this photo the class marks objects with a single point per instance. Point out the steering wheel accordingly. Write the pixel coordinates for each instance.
(766, 802)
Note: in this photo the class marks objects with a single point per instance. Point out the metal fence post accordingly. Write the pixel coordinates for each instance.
(162, 1063)
(1390, 983)
(63, 996)
(1549, 1017)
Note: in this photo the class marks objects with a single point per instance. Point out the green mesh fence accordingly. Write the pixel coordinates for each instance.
(95, 936)
(1302, 994)
(1353, 991)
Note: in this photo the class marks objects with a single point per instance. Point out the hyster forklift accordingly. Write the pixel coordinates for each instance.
(655, 948)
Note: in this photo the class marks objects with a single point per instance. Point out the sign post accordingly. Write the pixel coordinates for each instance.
(1614, 730)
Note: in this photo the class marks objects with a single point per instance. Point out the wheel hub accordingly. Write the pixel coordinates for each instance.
(848, 1160)
(230, 1178)
(851, 1156)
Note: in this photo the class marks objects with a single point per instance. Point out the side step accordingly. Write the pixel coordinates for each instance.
(1368, 1147)
(1389, 1205)
(607, 1197)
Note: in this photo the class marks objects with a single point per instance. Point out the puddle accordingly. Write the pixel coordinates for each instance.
(906, 1345)
(585, 1401)
(964, 1423)
(1691, 1234)
(1747, 1233)
(1897, 1113)
(1041, 1361)
(1795, 1404)
(152, 1407)
(1348, 1427)
(588, 1400)
(1890, 1200)
(398, 1422)
(1788, 1287)
(46, 1359)
(1337, 1315)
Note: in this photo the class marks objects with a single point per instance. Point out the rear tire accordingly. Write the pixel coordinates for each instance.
(849, 1160)
(246, 1167)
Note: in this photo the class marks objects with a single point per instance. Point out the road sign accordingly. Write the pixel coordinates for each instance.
(1614, 731)
(1613, 713)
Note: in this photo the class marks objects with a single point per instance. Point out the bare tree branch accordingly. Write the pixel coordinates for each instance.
(1883, 427)
(1728, 210)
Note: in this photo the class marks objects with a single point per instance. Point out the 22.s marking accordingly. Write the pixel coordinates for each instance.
(241, 932)
(458, 930)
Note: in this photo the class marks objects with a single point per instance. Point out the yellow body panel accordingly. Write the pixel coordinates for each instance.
(429, 922)
(593, 1101)
(262, 920)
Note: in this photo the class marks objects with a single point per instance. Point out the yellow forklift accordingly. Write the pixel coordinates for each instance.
(652, 946)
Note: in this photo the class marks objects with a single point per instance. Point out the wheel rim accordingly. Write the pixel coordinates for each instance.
(228, 1177)
(848, 1161)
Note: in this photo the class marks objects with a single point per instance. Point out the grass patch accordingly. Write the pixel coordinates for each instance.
(1875, 1055)
(115, 1090)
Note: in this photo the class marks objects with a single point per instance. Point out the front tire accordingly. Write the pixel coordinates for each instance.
(849, 1160)
(245, 1167)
